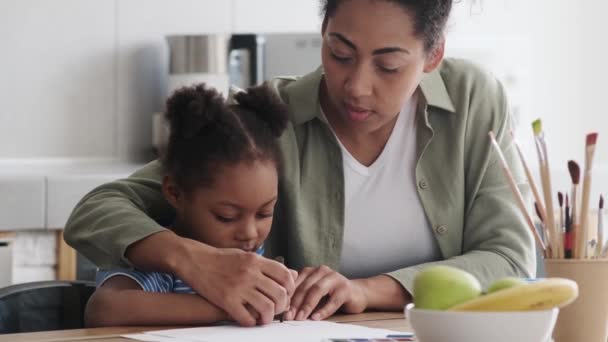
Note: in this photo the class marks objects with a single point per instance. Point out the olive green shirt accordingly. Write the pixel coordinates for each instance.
(461, 185)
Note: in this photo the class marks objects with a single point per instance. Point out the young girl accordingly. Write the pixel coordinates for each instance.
(220, 176)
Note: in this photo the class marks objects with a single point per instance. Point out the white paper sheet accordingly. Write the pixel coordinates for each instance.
(296, 331)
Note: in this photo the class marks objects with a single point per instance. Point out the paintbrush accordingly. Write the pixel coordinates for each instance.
(561, 230)
(517, 193)
(541, 209)
(543, 159)
(600, 227)
(575, 175)
(568, 234)
(589, 153)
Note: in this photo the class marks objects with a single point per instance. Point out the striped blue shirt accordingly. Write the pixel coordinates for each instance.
(152, 281)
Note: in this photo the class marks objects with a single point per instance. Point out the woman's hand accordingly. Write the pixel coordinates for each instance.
(250, 288)
(321, 291)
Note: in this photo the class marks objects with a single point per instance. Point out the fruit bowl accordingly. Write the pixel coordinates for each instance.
(469, 326)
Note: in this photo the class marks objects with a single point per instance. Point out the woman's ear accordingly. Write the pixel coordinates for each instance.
(435, 57)
(171, 191)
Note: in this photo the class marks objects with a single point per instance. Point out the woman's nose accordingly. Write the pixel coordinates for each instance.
(358, 83)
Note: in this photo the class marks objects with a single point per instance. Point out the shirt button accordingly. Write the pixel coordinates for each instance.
(441, 229)
(423, 184)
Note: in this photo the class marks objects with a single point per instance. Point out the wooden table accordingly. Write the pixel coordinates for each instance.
(383, 320)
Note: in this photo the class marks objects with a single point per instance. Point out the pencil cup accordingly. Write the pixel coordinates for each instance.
(586, 319)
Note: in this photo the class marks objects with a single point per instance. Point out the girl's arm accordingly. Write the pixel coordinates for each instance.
(121, 301)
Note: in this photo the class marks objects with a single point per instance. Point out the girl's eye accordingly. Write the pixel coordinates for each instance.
(264, 215)
(225, 219)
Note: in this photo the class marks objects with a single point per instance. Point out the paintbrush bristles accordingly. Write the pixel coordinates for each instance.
(575, 172)
(601, 202)
(537, 126)
(591, 139)
(560, 199)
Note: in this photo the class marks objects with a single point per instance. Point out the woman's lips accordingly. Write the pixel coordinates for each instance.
(357, 114)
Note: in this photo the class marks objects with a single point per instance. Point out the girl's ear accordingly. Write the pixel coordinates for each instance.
(435, 57)
(171, 191)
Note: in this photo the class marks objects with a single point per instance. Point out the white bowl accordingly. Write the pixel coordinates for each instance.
(452, 326)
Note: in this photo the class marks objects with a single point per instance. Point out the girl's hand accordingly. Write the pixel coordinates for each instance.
(321, 291)
(250, 288)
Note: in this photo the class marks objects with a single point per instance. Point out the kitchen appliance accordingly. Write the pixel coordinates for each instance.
(242, 60)
(196, 59)
(254, 58)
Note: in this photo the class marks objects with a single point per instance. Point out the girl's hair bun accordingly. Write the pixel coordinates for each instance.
(190, 109)
(266, 105)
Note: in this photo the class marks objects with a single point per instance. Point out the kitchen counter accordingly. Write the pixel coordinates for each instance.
(41, 193)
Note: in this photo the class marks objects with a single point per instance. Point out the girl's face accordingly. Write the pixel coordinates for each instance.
(373, 62)
(234, 212)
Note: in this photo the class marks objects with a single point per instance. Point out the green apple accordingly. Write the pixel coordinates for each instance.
(505, 283)
(441, 287)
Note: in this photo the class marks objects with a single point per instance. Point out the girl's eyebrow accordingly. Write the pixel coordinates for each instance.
(234, 205)
(380, 51)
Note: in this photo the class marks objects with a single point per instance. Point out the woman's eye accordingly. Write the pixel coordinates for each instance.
(340, 58)
(225, 219)
(388, 70)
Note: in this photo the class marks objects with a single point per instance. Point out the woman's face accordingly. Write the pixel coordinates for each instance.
(373, 62)
(234, 212)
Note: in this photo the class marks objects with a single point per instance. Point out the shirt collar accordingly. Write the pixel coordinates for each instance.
(435, 92)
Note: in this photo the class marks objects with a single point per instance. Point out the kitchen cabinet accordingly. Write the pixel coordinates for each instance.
(22, 202)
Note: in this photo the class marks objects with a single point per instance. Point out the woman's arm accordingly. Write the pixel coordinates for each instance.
(121, 301)
(114, 226)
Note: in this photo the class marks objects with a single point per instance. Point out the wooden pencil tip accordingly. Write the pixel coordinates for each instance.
(591, 139)
(575, 172)
(537, 211)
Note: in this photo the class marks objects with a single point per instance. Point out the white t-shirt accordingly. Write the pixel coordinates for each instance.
(385, 226)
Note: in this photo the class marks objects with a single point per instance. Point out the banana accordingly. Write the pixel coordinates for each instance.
(541, 295)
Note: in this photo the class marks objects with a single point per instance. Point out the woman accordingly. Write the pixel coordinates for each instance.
(387, 169)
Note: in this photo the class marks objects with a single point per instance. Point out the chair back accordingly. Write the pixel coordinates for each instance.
(44, 305)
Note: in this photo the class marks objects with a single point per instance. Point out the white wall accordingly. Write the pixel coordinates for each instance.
(57, 69)
(549, 54)
(81, 77)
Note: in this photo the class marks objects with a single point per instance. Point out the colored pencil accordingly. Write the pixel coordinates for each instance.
(517, 193)
(533, 187)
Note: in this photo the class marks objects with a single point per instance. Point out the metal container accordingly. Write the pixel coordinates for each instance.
(195, 59)
(189, 54)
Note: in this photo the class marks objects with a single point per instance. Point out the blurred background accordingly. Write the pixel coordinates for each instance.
(83, 81)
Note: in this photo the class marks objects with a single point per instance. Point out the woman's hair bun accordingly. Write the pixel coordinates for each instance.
(190, 109)
(267, 105)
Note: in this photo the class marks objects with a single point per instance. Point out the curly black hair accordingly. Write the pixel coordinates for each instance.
(206, 133)
(430, 17)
